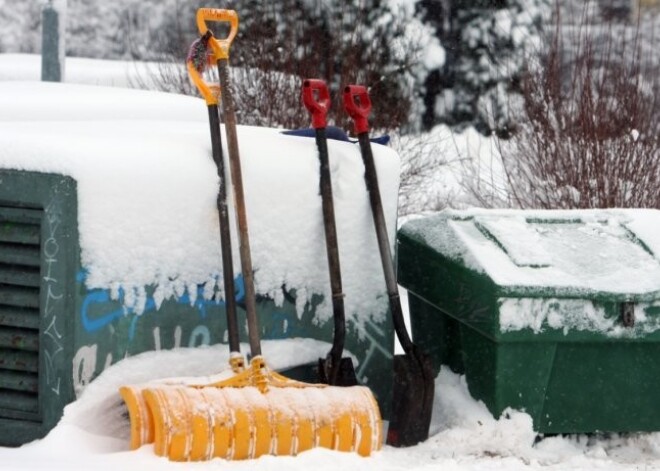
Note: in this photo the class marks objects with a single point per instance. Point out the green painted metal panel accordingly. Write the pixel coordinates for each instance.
(19, 317)
(12, 359)
(39, 255)
(18, 232)
(571, 377)
(20, 402)
(19, 275)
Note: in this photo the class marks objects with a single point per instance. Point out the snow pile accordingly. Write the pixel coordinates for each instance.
(45, 101)
(463, 426)
(85, 71)
(147, 195)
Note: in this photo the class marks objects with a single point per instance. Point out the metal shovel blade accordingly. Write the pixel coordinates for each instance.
(413, 393)
(345, 373)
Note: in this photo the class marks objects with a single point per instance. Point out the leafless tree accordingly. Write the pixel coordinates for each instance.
(589, 133)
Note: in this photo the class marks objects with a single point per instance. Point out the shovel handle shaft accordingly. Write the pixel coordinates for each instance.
(378, 214)
(358, 105)
(316, 99)
(220, 46)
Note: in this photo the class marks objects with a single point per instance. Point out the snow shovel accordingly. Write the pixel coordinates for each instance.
(333, 369)
(413, 372)
(142, 426)
(257, 411)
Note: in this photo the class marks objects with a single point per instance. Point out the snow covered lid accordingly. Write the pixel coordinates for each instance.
(556, 253)
(147, 189)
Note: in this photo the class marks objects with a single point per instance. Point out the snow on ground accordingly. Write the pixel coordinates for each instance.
(80, 70)
(93, 431)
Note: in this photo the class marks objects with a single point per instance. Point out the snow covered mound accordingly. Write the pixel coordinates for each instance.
(147, 190)
(567, 253)
(138, 74)
(47, 101)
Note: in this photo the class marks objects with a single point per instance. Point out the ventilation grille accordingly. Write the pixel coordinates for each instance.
(20, 261)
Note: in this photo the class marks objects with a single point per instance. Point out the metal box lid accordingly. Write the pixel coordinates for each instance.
(510, 274)
(594, 253)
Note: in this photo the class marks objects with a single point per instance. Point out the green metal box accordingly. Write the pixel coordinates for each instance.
(57, 334)
(556, 313)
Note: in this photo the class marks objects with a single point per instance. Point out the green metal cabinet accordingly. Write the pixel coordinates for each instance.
(39, 257)
(57, 335)
(553, 313)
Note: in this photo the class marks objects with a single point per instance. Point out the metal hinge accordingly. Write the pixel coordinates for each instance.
(628, 313)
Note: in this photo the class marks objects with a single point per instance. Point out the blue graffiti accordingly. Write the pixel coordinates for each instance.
(102, 297)
(98, 296)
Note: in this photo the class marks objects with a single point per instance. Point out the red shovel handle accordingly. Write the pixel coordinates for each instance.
(318, 107)
(358, 105)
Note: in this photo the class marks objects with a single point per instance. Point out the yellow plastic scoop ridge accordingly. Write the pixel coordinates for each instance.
(238, 420)
(140, 416)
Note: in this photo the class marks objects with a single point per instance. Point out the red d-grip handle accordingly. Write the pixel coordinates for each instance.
(358, 106)
(318, 107)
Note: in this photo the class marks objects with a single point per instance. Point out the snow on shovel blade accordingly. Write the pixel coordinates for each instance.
(237, 423)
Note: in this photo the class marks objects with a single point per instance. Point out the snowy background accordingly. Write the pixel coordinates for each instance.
(94, 431)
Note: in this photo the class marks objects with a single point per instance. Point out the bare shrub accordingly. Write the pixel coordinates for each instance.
(429, 165)
(262, 98)
(589, 136)
(274, 52)
(482, 177)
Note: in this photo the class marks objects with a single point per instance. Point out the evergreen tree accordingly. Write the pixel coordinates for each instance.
(340, 41)
(486, 42)
(20, 22)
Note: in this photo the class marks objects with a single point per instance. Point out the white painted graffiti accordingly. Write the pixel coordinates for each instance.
(375, 347)
(177, 337)
(200, 336)
(86, 358)
(84, 364)
(53, 298)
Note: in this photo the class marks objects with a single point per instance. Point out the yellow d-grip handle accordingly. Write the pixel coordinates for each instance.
(220, 46)
(210, 91)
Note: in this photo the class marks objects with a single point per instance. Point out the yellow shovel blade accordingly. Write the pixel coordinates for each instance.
(236, 423)
(253, 413)
(142, 426)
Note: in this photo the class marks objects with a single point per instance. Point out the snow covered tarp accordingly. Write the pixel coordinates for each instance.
(553, 312)
(148, 274)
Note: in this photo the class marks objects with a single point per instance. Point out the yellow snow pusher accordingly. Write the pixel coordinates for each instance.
(256, 411)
